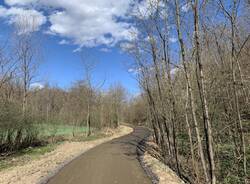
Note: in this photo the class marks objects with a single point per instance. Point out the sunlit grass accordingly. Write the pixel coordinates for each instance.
(60, 130)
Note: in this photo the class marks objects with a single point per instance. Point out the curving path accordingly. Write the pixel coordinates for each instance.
(114, 162)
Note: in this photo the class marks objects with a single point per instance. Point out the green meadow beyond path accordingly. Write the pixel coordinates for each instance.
(114, 162)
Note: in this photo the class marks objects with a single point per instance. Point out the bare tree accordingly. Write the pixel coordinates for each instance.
(89, 65)
(190, 95)
(202, 90)
(26, 50)
(232, 17)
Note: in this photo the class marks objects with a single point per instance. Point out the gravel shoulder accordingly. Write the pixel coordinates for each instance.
(37, 171)
(156, 170)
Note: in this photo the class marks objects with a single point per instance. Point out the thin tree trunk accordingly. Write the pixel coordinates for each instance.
(88, 121)
(159, 90)
(202, 90)
(190, 136)
(191, 97)
(173, 102)
(152, 106)
(236, 96)
(154, 127)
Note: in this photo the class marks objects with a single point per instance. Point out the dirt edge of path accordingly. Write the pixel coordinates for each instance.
(43, 168)
(158, 172)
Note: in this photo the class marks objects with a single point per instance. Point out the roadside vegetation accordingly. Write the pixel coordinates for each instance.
(196, 86)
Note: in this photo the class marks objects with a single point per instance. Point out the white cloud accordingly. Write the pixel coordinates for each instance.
(134, 70)
(86, 22)
(143, 9)
(131, 70)
(27, 19)
(36, 86)
(64, 42)
(78, 49)
(126, 46)
(19, 2)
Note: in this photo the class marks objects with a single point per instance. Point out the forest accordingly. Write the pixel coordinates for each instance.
(195, 96)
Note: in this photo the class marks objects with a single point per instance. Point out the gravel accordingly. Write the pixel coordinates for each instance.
(158, 171)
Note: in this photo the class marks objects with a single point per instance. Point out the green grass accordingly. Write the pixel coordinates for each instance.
(46, 131)
(49, 130)
(60, 130)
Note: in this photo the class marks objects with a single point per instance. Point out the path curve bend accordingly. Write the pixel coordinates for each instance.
(114, 162)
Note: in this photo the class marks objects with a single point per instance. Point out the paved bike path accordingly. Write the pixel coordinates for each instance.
(114, 162)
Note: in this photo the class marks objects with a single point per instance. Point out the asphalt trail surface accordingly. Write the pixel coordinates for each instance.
(114, 162)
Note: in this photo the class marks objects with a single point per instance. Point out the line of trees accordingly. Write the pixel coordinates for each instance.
(24, 109)
(192, 63)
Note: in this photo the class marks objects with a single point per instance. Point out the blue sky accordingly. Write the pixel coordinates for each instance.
(61, 66)
(58, 20)
(94, 26)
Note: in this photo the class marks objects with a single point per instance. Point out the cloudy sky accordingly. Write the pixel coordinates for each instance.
(97, 26)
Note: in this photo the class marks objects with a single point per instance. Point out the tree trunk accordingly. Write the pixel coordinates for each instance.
(88, 133)
(236, 96)
(202, 90)
(191, 96)
(190, 136)
(173, 103)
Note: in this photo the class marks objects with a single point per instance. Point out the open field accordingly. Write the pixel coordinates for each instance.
(59, 130)
(60, 134)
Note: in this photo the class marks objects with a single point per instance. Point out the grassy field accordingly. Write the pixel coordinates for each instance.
(47, 130)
